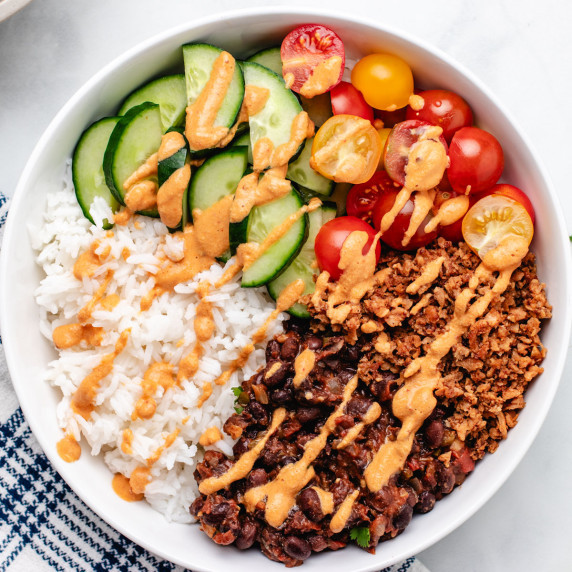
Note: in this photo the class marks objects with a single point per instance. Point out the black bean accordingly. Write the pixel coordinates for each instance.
(278, 376)
(196, 506)
(445, 479)
(306, 414)
(297, 548)
(318, 543)
(309, 502)
(313, 343)
(358, 406)
(287, 460)
(352, 353)
(281, 396)
(247, 535)
(217, 514)
(258, 412)
(426, 502)
(272, 350)
(257, 478)
(290, 349)
(434, 433)
(403, 517)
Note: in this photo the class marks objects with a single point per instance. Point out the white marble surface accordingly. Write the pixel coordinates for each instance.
(520, 48)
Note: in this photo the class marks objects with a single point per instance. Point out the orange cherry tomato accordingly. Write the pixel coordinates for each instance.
(385, 80)
(494, 219)
(512, 192)
(346, 149)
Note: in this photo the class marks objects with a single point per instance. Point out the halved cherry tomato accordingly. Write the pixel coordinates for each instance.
(304, 48)
(494, 220)
(347, 100)
(476, 160)
(383, 135)
(385, 80)
(331, 237)
(362, 198)
(513, 193)
(393, 236)
(399, 144)
(346, 149)
(445, 109)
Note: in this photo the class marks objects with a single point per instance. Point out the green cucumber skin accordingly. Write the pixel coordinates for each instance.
(115, 139)
(269, 58)
(275, 119)
(298, 268)
(101, 130)
(217, 177)
(230, 108)
(282, 252)
(300, 172)
(169, 92)
(243, 139)
(169, 165)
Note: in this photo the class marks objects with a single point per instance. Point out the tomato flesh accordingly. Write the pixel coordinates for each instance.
(347, 100)
(476, 160)
(399, 143)
(331, 237)
(513, 193)
(304, 48)
(445, 109)
(393, 236)
(385, 80)
(362, 198)
(346, 149)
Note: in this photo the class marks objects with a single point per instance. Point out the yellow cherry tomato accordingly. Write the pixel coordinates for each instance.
(346, 149)
(385, 81)
(383, 134)
(501, 223)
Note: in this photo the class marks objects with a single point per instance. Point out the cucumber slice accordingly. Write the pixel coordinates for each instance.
(243, 140)
(269, 58)
(134, 139)
(257, 226)
(216, 178)
(168, 92)
(87, 169)
(166, 168)
(319, 108)
(300, 172)
(304, 265)
(275, 119)
(199, 60)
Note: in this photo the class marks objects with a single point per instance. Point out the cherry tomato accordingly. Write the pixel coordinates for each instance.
(494, 219)
(362, 198)
(513, 193)
(445, 109)
(385, 80)
(454, 231)
(304, 48)
(393, 236)
(346, 149)
(331, 237)
(399, 144)
(347, 100)
(476, 160)
(391, 118)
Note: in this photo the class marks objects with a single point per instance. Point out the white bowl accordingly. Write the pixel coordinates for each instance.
(10, 7)
(28, 352)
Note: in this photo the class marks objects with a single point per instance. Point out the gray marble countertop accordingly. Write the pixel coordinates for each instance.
(520, 48)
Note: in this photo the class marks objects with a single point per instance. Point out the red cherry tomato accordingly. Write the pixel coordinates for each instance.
(402, 137)
(452, 232)
(331, 237)
(513, 193)
(445, 109)
(393, 236)
(476, 160)
(347, 100)
(304, 48)
(362, 198)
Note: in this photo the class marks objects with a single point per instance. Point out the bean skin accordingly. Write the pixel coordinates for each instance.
(297, 548)
(434, 433)
(309, 502)
(426, 502)
(247, 535)
(290, 349)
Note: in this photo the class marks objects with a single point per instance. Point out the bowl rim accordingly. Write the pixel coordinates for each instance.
(244, 14)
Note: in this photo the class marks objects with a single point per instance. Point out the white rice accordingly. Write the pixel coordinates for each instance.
(163, 333)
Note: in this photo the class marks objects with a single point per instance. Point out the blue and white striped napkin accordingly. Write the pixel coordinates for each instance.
(43, 524)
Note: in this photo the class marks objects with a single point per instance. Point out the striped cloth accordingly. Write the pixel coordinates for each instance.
(43, 524)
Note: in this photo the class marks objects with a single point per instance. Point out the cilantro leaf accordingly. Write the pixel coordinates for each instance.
(361, 535)
(570, 237)
(237, 391)
(239, 409)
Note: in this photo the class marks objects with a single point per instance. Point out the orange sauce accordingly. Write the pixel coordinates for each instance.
(70, 335)
(303, 365)
(159, 374)
(127, 442)
(88, 262)
(85, 313)
(68, 448)
(210, 436)
(122, 487)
